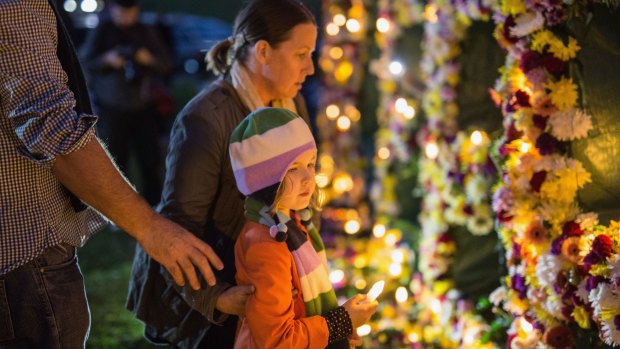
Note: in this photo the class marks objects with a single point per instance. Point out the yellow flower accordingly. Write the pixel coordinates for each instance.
(582, 317)
(600, 270)
(563, 93)
(564, 52)
(441, 287)
(513, 7)
(554, 189)
(541, 39)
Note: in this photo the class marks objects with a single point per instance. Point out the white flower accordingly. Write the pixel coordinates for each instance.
(527, 23)
(476, 189)
(570, 124)
(481, 222)
(615, 269)
(547, 269)
(553, 306)
(498, 296)
(536, 295)
(587, 220)
(582, 293)
(605, 300)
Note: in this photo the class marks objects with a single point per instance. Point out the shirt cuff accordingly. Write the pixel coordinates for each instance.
(205, 299)
(82, 133)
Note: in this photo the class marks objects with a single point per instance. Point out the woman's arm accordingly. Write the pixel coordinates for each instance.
(193, 172)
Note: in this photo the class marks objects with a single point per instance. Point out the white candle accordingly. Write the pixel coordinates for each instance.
(375, 290)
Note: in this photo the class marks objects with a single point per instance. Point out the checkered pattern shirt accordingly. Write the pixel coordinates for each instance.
(37, 123)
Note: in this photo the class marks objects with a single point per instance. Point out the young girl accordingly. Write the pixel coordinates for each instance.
(279, 251)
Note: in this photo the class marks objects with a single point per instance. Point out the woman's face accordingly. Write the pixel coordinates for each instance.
(298, 184)
(288, 64)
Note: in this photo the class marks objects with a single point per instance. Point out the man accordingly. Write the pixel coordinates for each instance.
(125, 59)
(49, 158)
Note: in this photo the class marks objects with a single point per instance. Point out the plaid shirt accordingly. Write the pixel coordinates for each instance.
(37, 123)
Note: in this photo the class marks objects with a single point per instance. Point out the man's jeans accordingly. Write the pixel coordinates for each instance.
(43, 303)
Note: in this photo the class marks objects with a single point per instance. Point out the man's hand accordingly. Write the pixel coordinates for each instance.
(180, 252)
(90, 174)
(232, 301)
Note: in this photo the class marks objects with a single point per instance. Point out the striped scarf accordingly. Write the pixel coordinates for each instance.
(308, 254)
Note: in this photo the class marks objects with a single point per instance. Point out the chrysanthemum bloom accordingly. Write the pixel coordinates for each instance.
(601, 250)
(559, 337)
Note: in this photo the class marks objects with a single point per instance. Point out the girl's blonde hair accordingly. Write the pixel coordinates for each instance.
(313, 205)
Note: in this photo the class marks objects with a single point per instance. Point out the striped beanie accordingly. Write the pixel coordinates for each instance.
(263, 146)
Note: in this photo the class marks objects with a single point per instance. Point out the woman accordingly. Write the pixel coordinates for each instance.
(264, 63)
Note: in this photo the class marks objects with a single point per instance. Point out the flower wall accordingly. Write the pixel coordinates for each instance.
(562, 287)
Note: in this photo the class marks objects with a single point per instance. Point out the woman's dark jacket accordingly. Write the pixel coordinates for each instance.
(200, 194)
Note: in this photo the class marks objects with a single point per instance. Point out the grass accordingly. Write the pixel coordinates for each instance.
(106, 264)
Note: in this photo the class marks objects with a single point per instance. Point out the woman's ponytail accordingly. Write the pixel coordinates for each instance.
(217, 57)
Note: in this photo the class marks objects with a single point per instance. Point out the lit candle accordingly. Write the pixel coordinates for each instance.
(375, 290)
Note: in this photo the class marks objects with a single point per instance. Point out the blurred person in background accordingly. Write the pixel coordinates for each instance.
(264, 63)
(56, 184)
(126, 61)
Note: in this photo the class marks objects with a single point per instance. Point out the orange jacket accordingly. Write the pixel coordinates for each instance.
(274, 318)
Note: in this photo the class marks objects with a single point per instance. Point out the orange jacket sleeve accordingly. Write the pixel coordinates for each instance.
(269, 312)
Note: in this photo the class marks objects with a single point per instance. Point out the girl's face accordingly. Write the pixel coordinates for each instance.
(298, 184)
(288, 64)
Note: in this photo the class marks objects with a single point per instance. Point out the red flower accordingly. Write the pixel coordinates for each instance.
(509, 341)
(508, 25)
(523, 99)
(537, 180)
(559, 337)
(572, 228)
(602, 246)
(601, 250)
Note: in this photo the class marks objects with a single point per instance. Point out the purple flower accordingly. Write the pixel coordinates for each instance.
(518, 284)
(447, 94)
(546, 144)
(554, 65)
(556, 245)
(540, 121)
(556, 16)
(617, 322)
(516, 251)
(593, 282)
(530, 60)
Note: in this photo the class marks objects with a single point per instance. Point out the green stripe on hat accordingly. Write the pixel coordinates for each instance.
(261, 121)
